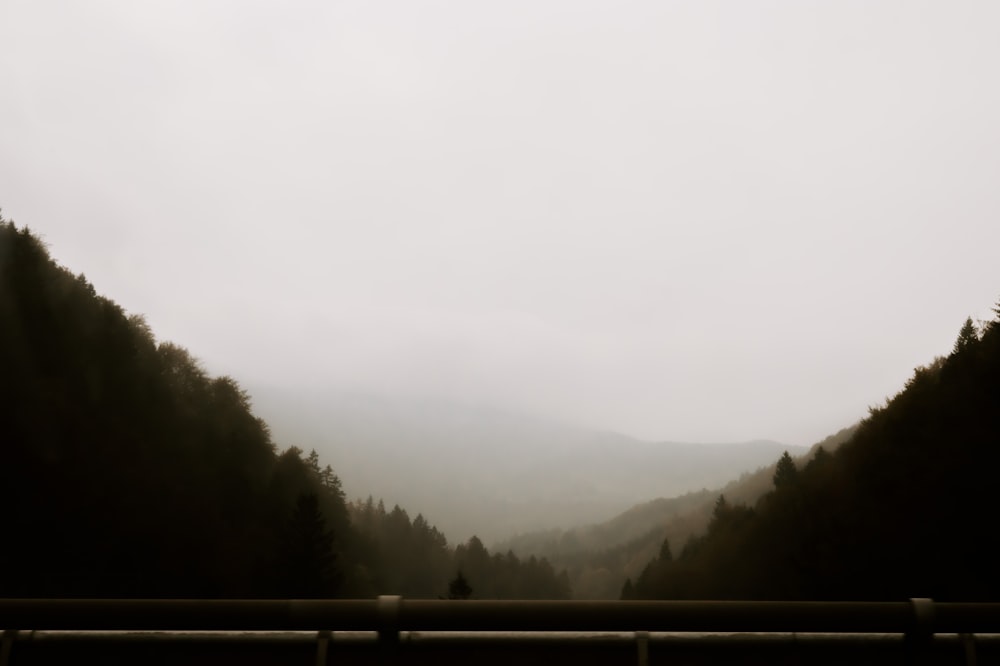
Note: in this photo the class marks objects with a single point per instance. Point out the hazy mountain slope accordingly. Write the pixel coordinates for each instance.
(127, 471)
(490, 473)
(599, 557)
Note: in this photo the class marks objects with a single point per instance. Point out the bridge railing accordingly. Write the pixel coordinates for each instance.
(49, 631)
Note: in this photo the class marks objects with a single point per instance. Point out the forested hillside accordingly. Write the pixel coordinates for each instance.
(415, 557)
(599, 558)
(128, 471)
(904, 509)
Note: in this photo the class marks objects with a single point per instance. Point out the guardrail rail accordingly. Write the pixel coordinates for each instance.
(412, 631)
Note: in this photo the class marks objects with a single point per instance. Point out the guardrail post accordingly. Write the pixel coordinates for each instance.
(389, 606)
(921, 634)
(322, 645)
(8, 644)
(642, 647)
(388, 618)
(388, 626)
(969, 643)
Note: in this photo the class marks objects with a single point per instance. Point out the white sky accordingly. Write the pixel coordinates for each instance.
(681, 220)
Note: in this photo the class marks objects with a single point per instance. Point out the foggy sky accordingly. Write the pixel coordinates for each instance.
(699, 221)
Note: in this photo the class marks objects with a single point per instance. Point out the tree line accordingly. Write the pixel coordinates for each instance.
(416, 560)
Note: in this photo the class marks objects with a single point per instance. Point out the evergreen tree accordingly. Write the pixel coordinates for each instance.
(459, 588)
(720, 510)
(819, 460)
(313, 461)
(627, 591)
(786, 473)
(967, 337)
(310, 561)
(665, 554)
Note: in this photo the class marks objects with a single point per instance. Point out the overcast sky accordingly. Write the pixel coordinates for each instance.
(679, 220)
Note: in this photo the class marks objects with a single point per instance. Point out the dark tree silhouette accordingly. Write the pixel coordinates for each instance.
(967, 336)
(665, 554)
(721, 510)
(819, 460)
(309, 561)
(786, 474)
(459, 588)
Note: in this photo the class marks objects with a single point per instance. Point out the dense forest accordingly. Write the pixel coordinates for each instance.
(415, 557)
(905, 508)
(129, 472)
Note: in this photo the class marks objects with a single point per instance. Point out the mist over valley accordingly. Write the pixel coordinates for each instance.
(493, 473)
(521, 300)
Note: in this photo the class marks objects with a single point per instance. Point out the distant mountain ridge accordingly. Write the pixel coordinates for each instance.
(493, 473)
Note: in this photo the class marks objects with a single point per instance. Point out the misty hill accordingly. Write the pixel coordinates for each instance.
(906, 508)
(128, 471)
(493, 473)
(600, 557)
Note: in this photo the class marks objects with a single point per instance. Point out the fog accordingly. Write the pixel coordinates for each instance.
(695, 221)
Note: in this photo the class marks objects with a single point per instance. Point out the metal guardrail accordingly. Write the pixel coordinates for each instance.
(44, 631)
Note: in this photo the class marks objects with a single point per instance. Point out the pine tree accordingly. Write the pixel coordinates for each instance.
(310, 561)
(721, 508)
(820, 458)
(459, 587)
(967, 337)
(313, 461)
(627, 591)
(786, 473)
(665, 554)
